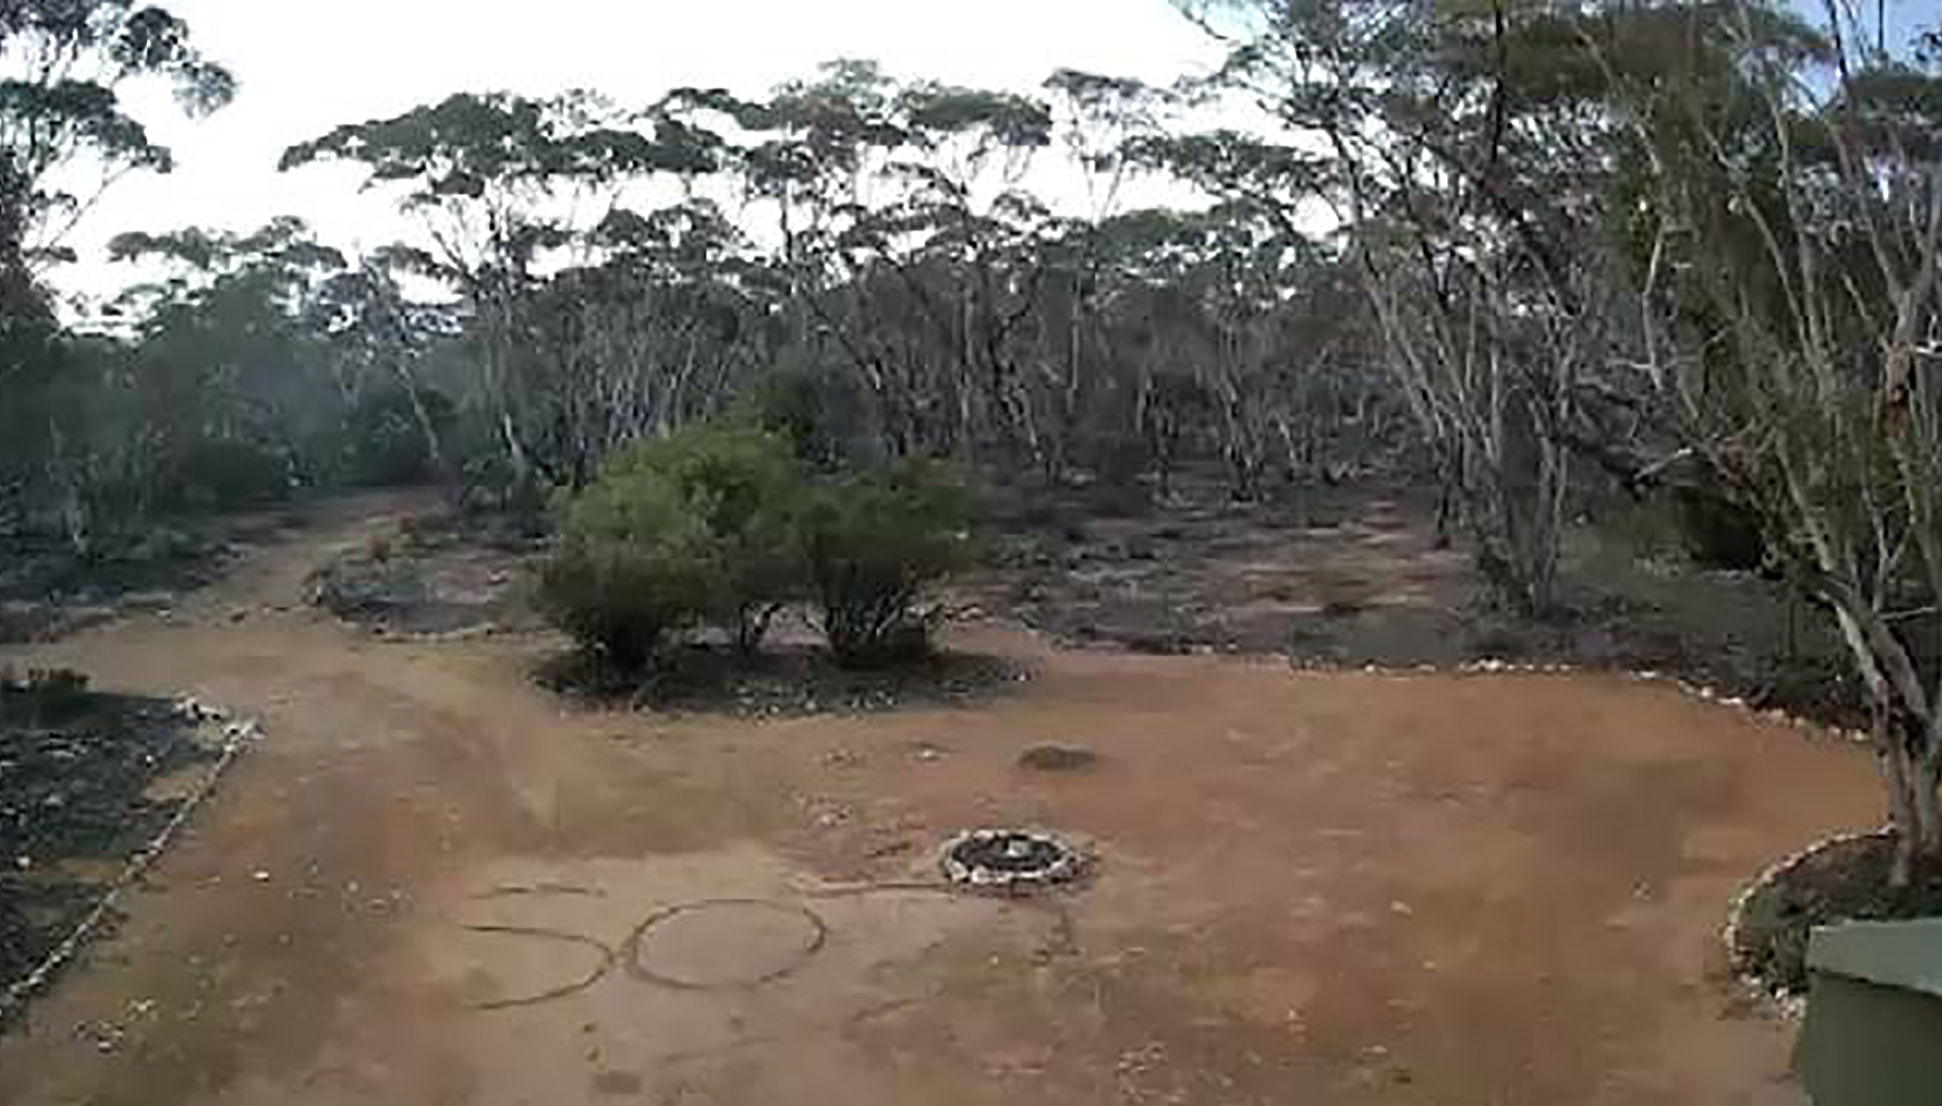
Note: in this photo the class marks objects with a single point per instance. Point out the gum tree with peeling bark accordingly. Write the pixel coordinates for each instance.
(1785, 187)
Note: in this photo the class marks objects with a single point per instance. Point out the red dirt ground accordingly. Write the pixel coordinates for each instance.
(423, 887)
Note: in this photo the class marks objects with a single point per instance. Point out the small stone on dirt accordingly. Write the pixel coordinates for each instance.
(1058, 758)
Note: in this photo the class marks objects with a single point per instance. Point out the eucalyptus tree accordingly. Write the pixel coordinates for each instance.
(903, 236)
(508, 188)
(226, 381)
(1457, 155)
(65, 130)
(29, 355)
(1290, 374)
(819, 157)
(1698, 242)
(976, 252)
(871, 240)
(65, 135)
(379, 341)
(670, 324)
(1783, 188)
(1077, 384)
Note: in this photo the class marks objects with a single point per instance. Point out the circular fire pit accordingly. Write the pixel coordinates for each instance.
(1009, 859)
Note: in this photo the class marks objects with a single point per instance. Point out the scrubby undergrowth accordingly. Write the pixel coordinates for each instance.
(1351, 576)
(77, 775)
(48, 587)
(441, 572)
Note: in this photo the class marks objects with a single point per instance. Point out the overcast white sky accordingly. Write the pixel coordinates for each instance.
(306, 67)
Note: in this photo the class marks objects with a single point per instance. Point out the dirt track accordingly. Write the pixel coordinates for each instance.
(422, 888)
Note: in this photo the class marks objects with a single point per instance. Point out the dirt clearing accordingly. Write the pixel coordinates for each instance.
(433, 883)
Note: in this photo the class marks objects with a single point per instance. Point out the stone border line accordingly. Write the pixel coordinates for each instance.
(1764, 991)
(237, 736)
(1490, 666)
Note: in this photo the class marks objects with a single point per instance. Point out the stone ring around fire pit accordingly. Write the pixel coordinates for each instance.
(1009, 859)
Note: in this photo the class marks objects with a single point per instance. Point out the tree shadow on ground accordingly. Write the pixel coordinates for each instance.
(788, 680)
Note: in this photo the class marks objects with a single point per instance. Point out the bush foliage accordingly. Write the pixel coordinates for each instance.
(742, 487)
(872, 543)
(723, 526)
(634, 563)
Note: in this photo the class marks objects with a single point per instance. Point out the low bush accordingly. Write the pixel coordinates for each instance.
(720, 525)
(744, 487)
(635, 562)
(872, 543)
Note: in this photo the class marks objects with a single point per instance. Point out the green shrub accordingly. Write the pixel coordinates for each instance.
(719, 524)
(745, 487)
(871, 544)
(634, 563)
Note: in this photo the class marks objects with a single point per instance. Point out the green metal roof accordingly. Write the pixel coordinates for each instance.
(1894, 954)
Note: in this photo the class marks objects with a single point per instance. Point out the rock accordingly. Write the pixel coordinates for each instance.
(247, 730)
(1058, 758)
